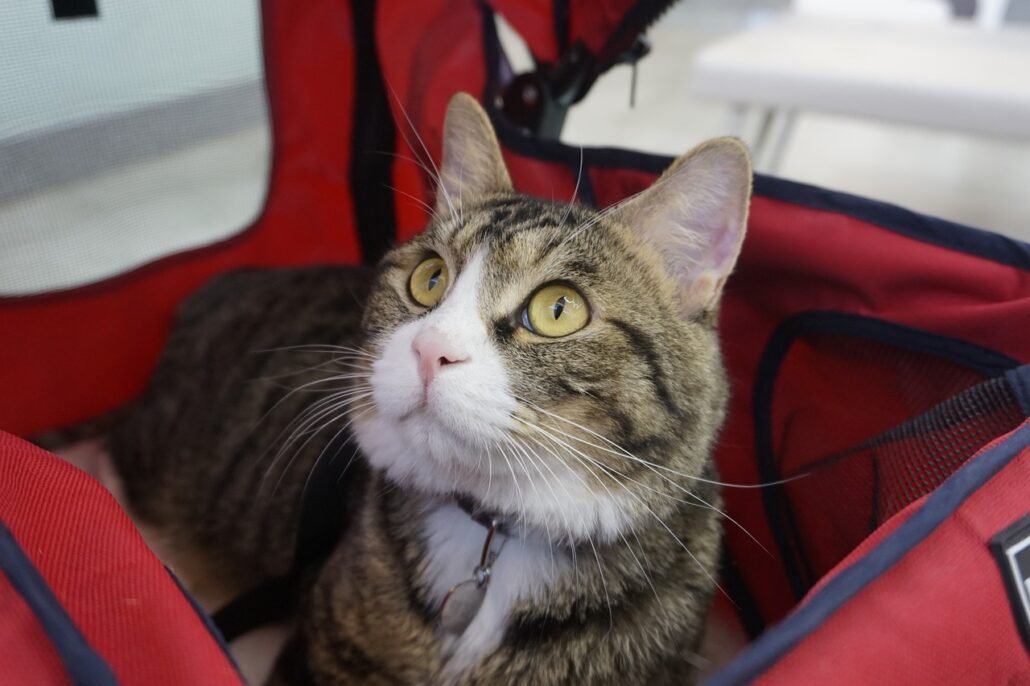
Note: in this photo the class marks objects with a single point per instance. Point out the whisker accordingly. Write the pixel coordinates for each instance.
(604, 585)
(304, 428)
(312, 408)
(515, 481)
(622, 452)
(321, 455)
(575, 191)
(408, 158)
(577, 475)
(422, 203)
(701, 501)
(327, 365)
(313, 434)
(641, 502)
(532, 483)
(440, 187)
(572, 546)
(326, 348)
(516, 445)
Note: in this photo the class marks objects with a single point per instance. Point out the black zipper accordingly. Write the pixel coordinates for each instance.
(373, 141)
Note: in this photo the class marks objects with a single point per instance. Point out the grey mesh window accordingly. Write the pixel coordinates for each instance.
(126, 136)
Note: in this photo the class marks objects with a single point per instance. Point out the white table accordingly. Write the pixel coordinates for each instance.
(955, 76)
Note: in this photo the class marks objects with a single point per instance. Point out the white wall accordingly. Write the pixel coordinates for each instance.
(138, 52)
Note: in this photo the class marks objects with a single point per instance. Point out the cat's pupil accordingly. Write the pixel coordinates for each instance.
(559, 306)
(434, 279)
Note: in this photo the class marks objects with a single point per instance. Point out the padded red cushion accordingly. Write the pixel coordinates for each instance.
(123, 600)
(939, 616)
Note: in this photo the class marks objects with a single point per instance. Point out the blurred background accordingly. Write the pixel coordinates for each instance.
(922, 103)
(818, 58)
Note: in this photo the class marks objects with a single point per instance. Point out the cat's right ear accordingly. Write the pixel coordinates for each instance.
(472, 163)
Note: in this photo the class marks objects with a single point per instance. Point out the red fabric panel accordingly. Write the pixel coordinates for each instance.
(423, 69)
(542, 179)
(811, 374)
(595, 22)
(533, 20)
(797, 259)
(833, 511)
(893, 631)
(611, 186)
(79, 353)
(121, 597)
(26, 654)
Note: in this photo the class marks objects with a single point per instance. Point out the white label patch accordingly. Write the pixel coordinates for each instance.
(1012, 551)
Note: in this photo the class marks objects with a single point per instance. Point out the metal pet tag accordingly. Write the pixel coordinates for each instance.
(463, 600)
(461, 605)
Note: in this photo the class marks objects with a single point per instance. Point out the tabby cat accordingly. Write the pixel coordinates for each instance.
(529, 392)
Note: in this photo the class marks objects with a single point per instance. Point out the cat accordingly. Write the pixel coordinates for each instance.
(529, 393)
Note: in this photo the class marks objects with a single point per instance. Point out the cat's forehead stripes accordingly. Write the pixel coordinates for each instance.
(503, 220)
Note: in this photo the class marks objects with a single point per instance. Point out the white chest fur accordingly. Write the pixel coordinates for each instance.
(526, 567)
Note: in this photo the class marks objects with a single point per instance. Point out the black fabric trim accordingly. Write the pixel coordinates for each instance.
(74, 9)
(778, 641)
(84, 666)
(748, 612)
(920, 227)
(562, 17)
(271, 602)
(940, 232)
(204, 617)
(986, 362)
(326, 499)
(325, 502)
(373, 140)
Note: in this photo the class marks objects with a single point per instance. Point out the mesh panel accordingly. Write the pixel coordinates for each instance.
(919, 455)
(872, 428)
(126, 136)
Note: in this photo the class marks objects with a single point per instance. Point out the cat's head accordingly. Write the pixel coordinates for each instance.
(552, 362)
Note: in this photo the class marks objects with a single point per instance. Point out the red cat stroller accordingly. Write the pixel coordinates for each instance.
(879, 355)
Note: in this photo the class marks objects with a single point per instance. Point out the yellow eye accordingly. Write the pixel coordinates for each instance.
(556, 310)
(428, 282)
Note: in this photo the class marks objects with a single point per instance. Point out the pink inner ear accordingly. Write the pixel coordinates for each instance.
(694, 215)
(712, 223)
(717, 186)
(722, 251)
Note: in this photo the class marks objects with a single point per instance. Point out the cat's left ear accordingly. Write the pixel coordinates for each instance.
(695, 215)
(472, 163)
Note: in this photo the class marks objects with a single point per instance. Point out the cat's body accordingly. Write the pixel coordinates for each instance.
(208, 457)
(556, 368)
(550, 617)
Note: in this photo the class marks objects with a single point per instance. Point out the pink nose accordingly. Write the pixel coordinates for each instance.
(434, 350)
